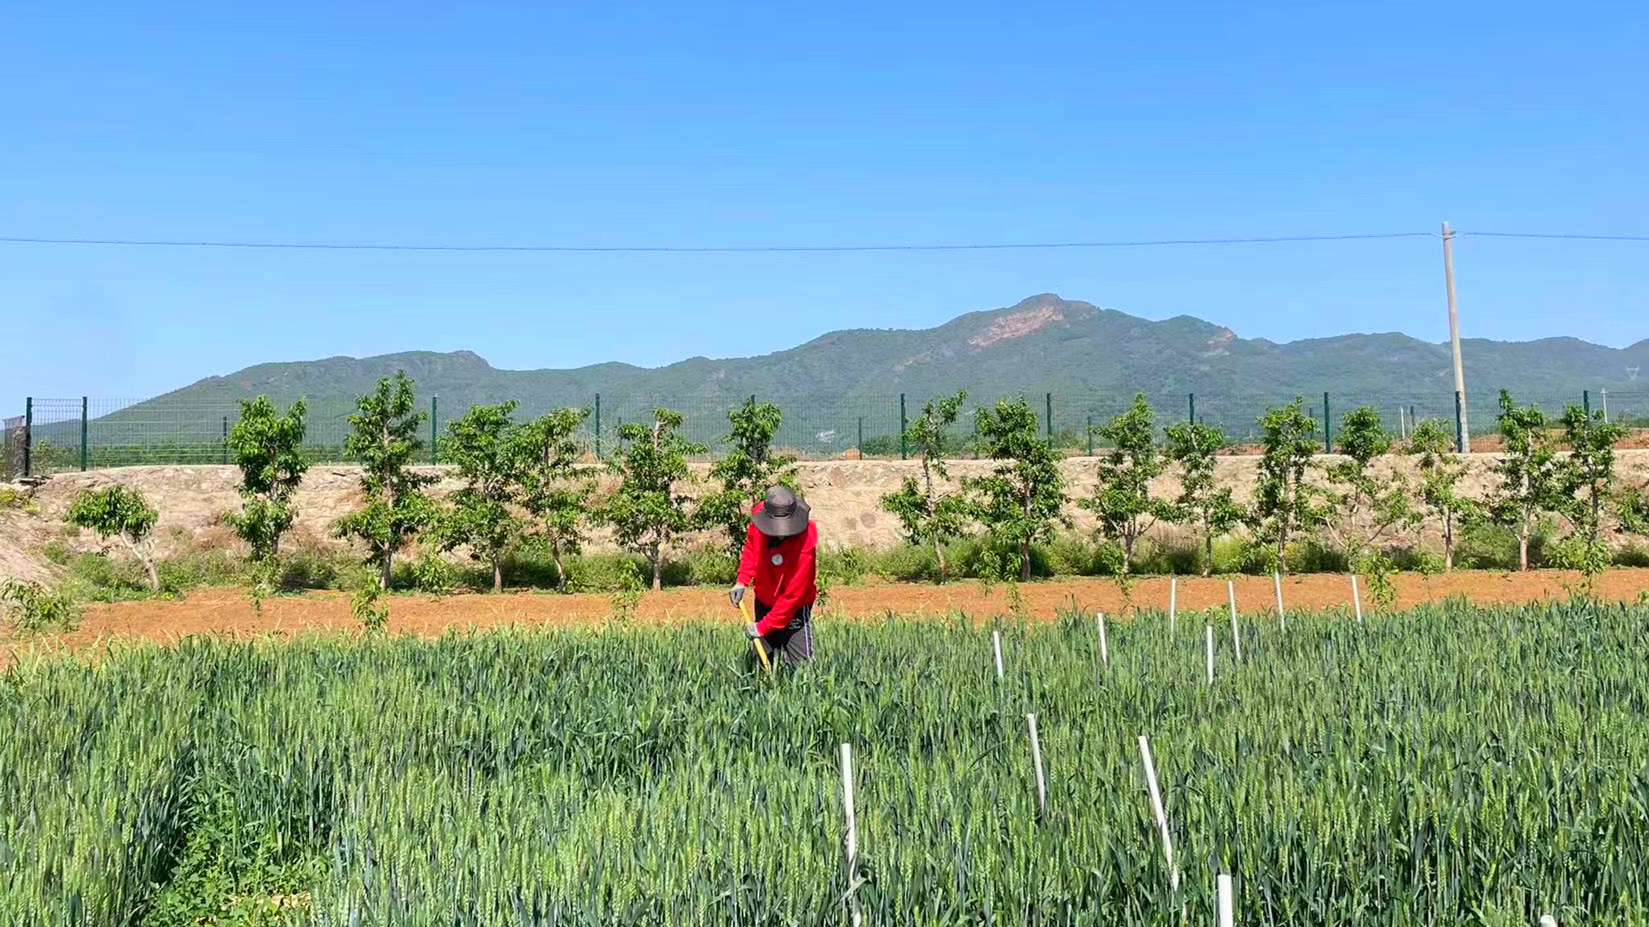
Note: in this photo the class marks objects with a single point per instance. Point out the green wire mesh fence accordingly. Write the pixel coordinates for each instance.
(56, 435)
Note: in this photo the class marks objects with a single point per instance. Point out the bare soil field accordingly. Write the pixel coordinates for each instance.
(229, 612)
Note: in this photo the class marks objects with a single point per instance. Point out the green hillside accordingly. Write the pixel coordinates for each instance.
(1042, 343)
(1091, 359)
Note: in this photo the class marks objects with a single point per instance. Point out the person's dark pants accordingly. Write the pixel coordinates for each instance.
(794, 641)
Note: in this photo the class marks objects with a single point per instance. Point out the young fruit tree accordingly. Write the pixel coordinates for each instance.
(1529, 472)
(118, 512)
(1366, 508)
(1019, 502)
(929, 515)
(482, 514)
(1586, 487)
(1440, 473)
(646, 512)
(268, 448)
(1122, 502)
(555, 488)
(384, 438)
(746, 471)
(1284, 502)
(1202, 501)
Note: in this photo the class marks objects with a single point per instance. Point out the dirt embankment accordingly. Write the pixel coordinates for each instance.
(844, 495)
(229, 612)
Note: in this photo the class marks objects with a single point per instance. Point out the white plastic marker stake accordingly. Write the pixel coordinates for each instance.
(1236, 639)
(1104, 650)
(1210, 629)
(1156, 807)
(1546, 920)
(1173, 596)
(1356, 597)
(1228, 902)
(1036, 761)
(851, 838)
(996, 645)
(1282, 616)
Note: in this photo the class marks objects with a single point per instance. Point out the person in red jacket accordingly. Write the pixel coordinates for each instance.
(779, 561)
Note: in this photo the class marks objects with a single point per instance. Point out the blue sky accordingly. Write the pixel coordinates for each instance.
(777, 123)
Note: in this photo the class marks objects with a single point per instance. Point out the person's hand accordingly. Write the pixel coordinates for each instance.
(751, 631)
(736, 595)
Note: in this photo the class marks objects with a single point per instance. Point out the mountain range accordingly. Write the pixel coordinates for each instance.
(1042, 344)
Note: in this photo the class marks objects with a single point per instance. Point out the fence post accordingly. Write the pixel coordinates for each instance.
(1586, 403)
(1328, 428)
(861, 445)
(598, 424)
(1090, 436)
(434, 430)
(1191, 400)
(1459, 426)
(1050, 401)
(28, 435)
(225, 444)
(904, 444)
(84, 431)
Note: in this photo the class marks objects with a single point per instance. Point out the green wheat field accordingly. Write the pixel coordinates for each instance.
(1452, 765)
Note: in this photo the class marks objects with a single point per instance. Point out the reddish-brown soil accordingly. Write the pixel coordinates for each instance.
(228, 611)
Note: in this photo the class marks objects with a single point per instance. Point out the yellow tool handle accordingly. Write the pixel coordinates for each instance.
(756, 642)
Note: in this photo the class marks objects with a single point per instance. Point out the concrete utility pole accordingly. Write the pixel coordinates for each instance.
(1454, 333)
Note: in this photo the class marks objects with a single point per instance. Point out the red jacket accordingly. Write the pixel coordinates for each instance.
(781, 573)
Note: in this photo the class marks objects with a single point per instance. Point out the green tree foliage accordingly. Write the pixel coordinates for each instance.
(268, 448)
(1019, 502)
(746, 471)
(647, 513)
(1632, 508)
(555, 487)
(1366, 509)
(118, 512)
(1440, 473)
(384, 438)
(1202, 501)
(1586, 489)
(1530, 476)
(1284, 502)
(483, 514)
(930, 516)
(364, 606)
(1122, 501)
(31, 607)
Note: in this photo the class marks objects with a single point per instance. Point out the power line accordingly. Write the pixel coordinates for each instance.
(749, 249)
(1010, 246)
(1557, 235)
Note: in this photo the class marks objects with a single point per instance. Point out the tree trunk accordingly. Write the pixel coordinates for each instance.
(1523, 547)
(1024, 561)
(148, 562)
(497, 575)
(383, 570)
(560, 571)
(939, 555)
(658, 569)
(1128, 553)
(1448, 543)
(1282, 549)
(1208, 548)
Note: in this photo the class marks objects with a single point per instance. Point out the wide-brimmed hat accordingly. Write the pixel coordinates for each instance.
(782, 515)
